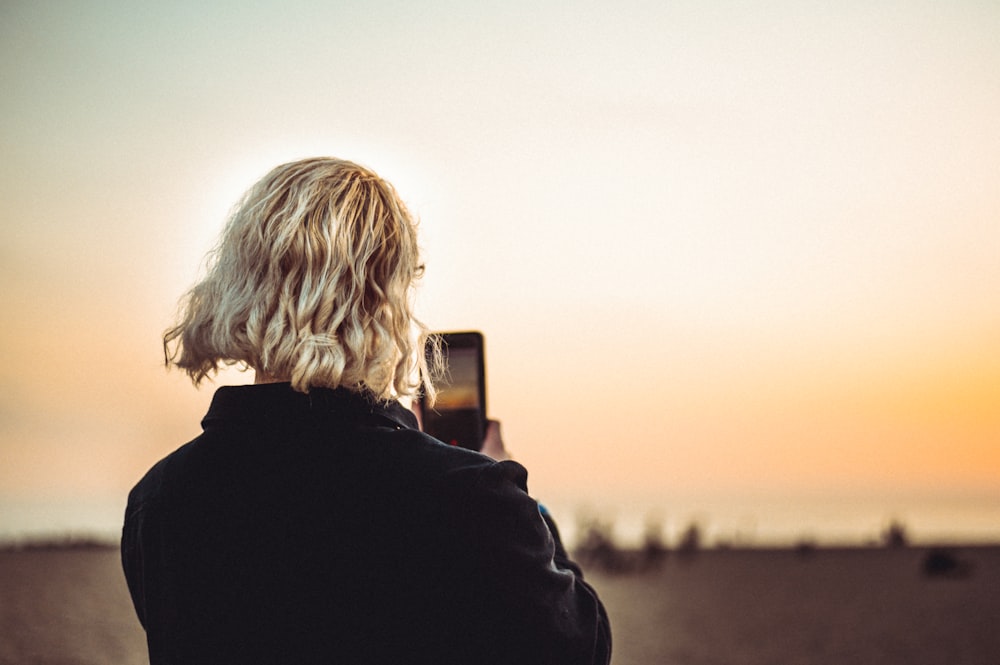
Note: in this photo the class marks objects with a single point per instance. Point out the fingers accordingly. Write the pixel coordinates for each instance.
(493, 442)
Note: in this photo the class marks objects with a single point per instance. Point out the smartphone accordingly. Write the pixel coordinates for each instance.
(458, 416)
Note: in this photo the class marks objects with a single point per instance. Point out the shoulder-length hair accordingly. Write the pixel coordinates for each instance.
(310, 283)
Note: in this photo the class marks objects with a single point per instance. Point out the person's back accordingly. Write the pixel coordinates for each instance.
(321, 526)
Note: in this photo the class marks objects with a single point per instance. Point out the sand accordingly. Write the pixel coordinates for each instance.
(779, 607)
(67, 607)
(71, 607)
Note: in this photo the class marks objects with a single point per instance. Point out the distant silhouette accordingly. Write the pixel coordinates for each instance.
(805, 548)
(690, 542)
(940, 562)
(654, 551)
(894, 535)
(597, 548)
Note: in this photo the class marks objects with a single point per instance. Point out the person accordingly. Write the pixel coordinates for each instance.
(311, 521)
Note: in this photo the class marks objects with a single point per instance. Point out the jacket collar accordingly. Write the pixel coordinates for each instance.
(269, 402)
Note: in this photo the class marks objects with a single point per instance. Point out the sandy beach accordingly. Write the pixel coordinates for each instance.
(757, 607)
(739, 607)
(67, 607)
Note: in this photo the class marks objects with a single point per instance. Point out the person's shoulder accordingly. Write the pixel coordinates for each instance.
(425, 449)
(423, 453)
(475, 470)
(152, 484)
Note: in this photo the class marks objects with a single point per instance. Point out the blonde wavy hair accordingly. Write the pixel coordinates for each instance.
(310, 283)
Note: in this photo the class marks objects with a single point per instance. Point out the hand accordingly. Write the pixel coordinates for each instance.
(493, 442)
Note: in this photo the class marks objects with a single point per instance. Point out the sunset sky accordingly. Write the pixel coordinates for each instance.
(731, 259)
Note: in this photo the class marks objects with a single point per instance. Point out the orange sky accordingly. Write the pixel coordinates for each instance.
(715, 250)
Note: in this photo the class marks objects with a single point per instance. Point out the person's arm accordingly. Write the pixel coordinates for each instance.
(493, 442)
(549, 614)
(493, 446)
(132, 561)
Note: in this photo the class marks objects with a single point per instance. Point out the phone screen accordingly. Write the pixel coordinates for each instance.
(458, 416)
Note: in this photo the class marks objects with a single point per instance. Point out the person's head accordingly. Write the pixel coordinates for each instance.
(310, 283)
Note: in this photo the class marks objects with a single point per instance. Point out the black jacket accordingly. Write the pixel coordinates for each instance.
(325, 528)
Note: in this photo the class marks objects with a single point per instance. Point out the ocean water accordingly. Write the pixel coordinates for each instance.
(28, 519)
(743, 520)
(768, 519)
